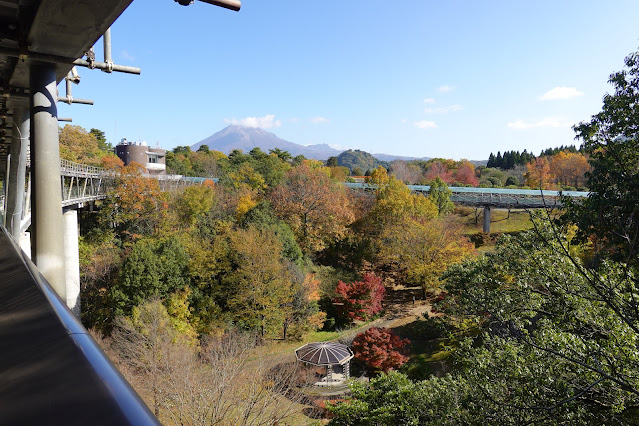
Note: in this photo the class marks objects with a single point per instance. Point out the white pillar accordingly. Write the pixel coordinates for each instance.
(47, 245)
(25, 243)
(18, 171)
(72, 260)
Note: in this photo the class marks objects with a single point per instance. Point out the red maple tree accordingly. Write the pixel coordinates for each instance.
(466, 174)
(381, 349)
(437, 169)
(360, 300)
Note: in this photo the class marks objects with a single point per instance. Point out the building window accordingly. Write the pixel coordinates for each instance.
(153, 159)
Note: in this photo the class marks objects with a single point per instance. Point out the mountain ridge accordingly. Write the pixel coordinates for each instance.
(246, 138)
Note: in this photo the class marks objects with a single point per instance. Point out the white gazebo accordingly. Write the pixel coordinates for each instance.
(329, 355)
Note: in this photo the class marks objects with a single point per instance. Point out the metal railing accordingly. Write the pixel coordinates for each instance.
(69, 168)
(52, 370)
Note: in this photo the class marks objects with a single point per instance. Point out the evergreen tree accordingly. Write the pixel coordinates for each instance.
(491, 161)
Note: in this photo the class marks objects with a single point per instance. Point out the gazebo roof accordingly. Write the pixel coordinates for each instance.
(324, 353)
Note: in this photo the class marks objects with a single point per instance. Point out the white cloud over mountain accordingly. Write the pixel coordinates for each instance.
(266, 122)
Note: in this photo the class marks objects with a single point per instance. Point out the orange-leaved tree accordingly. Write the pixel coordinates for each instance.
(315, 207)
(78, 145)
(135, 204)
(539, 175)
(570, 168)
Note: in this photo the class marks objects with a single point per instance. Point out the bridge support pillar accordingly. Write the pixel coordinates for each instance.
(25, 243)
(487, 219)
(72, 260)
(17, 171)
(47, 239)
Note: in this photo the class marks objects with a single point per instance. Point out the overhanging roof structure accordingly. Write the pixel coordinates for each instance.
(52, 31)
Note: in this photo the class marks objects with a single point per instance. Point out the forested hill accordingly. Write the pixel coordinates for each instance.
(359, 160)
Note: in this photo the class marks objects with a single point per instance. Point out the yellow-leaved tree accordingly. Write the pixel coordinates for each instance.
(423, 250)
(80, 146)
(260, 286)
(395, 202)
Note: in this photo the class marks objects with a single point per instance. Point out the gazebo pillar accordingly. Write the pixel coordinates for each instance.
(347, 369)
(329, 374)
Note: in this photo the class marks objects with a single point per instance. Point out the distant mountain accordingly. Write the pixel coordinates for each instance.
(388, 157)
(247, 138)
(478, 163)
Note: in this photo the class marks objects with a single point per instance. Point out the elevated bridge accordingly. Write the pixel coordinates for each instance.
(498, 198)
(80, 184)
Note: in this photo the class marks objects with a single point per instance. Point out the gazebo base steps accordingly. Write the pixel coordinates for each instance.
(336, 380)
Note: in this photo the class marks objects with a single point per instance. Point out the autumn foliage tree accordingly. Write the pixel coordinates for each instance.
(539, 175)
(135, 203)
(406, 172)
(465, 174)
(303, 314)
(381, 349)
(80, 146)
(437, 169)
(395, 202)
(316, 208)
(259, 285)
(569, 168)
(360, 300)
(422, 250)
(194, 202)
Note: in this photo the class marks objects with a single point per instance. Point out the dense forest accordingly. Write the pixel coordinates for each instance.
(278, 248)
(181, 287)
(550, 318)
(559, 168)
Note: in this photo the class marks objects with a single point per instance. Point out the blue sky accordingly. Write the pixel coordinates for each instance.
(424, 78)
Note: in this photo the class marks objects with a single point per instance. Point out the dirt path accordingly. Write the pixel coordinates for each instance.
(402, 305)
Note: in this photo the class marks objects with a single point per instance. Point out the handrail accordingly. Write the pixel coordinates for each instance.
(51, 370)
(70, 168)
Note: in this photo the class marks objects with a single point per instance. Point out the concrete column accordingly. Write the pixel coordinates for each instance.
(47, 240)
(25, 243)
(72, 260)
(18, 171)
(487, 219)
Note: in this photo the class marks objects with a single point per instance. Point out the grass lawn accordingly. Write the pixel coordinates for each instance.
(501, 222)
(284, 348)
